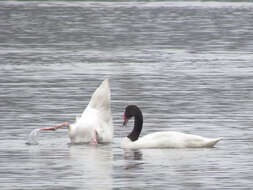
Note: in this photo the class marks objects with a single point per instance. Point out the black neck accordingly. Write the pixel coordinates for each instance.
(138, 121)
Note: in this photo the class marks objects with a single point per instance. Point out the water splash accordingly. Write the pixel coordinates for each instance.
(32, 138)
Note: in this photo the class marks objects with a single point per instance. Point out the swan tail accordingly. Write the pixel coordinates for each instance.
(213, 142)
(101, 98)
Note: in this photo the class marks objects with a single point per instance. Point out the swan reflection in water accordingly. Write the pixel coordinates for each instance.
(94, 163)
(133, 158)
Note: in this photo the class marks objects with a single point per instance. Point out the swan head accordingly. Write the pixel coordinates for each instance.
(130, 111)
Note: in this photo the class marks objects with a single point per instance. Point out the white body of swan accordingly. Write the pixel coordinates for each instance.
(95, 123)
(169, 140)
(166, 139)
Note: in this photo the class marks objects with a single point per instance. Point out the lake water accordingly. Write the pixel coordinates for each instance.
(187, 65)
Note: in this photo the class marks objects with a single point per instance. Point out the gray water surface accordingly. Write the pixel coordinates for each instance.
(187, 65)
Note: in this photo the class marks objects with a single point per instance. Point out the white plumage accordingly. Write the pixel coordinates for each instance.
(95, 123)
(169, 140)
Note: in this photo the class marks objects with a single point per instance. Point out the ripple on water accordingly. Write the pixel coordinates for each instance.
(188, 65)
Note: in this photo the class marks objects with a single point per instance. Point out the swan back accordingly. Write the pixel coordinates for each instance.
(170, 140)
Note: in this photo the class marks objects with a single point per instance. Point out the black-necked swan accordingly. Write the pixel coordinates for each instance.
(95, 123)
(167, 139)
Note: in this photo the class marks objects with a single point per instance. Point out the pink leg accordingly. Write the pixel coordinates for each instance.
(65, 124)
(94, 140)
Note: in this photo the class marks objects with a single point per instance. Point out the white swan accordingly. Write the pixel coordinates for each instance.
(160, 139)
(95, 123)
